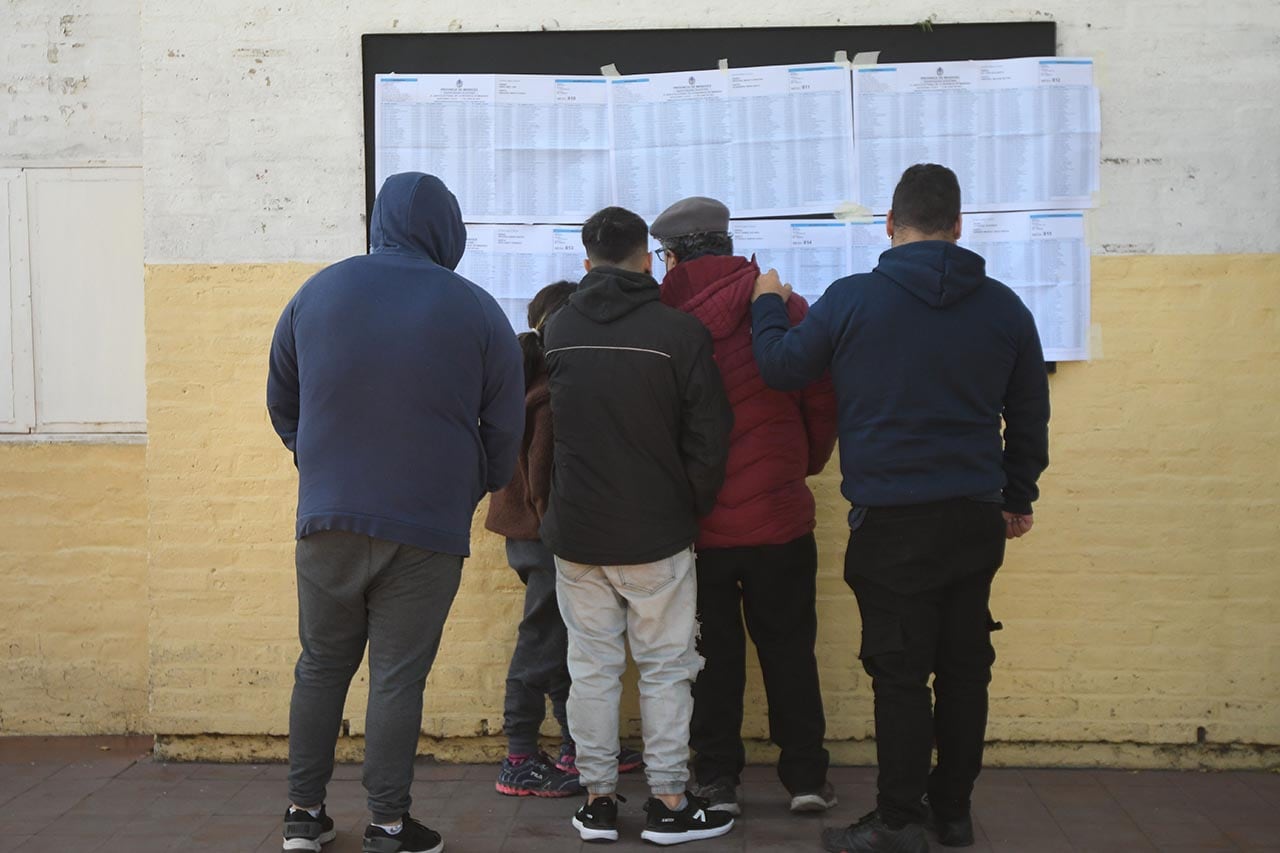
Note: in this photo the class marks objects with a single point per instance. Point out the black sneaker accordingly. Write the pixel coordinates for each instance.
(413, 837)
(721, 795)
(536, 776)
(814, 801)
(955, 832)
(694, 823)
(598, 819)
(304, 832)
(871, 835)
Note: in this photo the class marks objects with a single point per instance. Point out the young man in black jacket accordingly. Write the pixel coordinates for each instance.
(641, 438)
(929, 356)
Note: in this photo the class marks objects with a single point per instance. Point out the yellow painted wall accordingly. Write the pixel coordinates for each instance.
(1141, 608)
(73, 567)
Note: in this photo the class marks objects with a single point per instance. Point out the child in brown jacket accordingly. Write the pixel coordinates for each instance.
(538, 664)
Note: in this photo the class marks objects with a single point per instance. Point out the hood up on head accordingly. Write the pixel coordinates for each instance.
(936, 272)
(416, 213)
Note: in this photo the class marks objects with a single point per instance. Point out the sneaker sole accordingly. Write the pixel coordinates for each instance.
(439, 848)
(666, 839)
(312, 844)
(728, 808)
(809, 803)
(586, 833)
(509, 791)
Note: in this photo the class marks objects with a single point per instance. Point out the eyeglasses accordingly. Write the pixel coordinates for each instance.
(661, 252)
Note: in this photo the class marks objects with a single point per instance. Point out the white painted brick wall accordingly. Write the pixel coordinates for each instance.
(70, 83)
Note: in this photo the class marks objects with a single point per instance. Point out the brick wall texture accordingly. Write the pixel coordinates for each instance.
(73, 565)
(1140, 610)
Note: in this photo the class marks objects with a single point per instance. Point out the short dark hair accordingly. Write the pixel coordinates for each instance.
(927, 199)
(614, 235)
(703, 243)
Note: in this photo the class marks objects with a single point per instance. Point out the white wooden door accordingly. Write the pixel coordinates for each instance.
(89, 348)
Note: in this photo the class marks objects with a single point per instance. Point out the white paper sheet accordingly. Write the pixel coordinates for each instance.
(1020, 134)
(671, 135)
(1042, 256)
(792, 147)
(1045, 259)
(442, 124)
(513, 148)
(551, 139)
(514, 262)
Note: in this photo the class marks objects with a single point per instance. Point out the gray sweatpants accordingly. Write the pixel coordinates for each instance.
(653, 606)
(354, 589)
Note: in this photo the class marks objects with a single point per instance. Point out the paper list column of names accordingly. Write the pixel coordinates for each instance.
(513, 262)
(792, 149)
(1044, 258)
(670, 139)
(552, 148)
(441, 124)
(1019, 134)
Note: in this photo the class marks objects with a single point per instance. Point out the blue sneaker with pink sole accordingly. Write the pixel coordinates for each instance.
(629, 760)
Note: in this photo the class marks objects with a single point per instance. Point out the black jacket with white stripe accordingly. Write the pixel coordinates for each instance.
(641, 423)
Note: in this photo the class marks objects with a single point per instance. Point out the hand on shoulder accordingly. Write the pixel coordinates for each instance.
(769, 282)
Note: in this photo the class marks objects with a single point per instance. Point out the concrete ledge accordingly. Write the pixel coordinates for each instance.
(25, 749)
(1128, 756)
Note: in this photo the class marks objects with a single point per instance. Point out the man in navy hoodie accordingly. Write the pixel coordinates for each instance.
(398, 386)
(928, 355)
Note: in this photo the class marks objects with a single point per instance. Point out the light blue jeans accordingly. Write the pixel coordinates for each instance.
(654, 607)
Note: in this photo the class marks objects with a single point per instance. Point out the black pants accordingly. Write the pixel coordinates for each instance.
(539, 667)
(922, 575)
(774, 587)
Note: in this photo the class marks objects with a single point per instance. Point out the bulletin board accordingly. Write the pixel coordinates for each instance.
(653, 51)
(646, 52)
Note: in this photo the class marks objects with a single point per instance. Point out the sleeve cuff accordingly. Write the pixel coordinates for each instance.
(1018, 507)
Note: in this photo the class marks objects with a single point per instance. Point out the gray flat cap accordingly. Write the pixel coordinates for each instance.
(695, 215)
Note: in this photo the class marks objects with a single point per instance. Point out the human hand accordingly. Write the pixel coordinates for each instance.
(769, 282)
(1016, 524)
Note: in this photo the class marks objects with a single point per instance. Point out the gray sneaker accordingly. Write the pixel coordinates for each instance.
(814, 801)
(721, 795)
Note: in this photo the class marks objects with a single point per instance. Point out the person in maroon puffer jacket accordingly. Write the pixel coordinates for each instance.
(755, 551)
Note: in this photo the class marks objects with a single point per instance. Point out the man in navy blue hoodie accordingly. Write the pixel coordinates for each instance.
(398, 386)
(928, 355)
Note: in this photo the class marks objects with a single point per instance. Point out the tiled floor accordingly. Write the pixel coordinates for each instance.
(74, 795)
